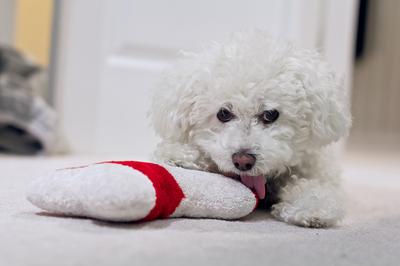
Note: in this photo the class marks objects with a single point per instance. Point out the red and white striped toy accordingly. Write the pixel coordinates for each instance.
(123, 191)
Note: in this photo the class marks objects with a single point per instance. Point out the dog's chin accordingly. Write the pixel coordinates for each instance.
(231, 175)
(254, 182)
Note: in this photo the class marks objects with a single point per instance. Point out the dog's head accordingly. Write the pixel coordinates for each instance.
(252, 105)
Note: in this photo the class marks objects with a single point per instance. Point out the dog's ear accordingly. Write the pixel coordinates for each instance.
(173, 110)
(330, 117)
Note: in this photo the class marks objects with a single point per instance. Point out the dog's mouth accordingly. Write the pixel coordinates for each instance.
(255, 183)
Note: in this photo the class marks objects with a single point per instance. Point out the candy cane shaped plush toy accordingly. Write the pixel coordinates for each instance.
(123, 191)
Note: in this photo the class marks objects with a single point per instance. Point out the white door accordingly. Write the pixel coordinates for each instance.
(110, 54)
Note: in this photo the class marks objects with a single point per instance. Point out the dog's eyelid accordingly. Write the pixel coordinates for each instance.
(225, 115)
(269, 116)
(228, 106)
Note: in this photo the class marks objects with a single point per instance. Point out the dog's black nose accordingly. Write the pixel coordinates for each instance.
(243, 161)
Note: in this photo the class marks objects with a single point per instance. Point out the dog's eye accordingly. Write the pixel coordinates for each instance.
(269, 116)
(224, 115)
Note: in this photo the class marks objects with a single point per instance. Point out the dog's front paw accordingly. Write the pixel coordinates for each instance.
(306, 217)
(310, 203)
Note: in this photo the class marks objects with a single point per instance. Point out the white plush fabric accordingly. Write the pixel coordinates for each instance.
(211, 195)
(119, 193)
(106, 191)
(369, 235)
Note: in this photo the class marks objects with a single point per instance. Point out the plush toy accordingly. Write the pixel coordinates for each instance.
(124, 191)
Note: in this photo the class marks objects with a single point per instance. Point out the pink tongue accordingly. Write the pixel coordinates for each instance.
(255, 182)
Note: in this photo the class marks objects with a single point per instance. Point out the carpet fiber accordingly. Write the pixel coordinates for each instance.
(370, 234)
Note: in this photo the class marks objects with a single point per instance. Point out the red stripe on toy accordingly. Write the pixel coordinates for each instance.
(168, 192)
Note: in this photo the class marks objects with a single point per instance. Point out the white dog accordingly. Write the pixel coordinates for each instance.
(263, 111)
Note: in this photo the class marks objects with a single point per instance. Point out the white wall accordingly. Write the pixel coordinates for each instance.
(337, 37)
(7, 15)
(111, 53)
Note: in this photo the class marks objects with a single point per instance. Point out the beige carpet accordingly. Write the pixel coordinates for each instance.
(370, 235)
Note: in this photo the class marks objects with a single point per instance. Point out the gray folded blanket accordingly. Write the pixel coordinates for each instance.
(28, 125)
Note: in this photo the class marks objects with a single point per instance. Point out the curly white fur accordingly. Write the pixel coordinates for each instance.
(248, 74)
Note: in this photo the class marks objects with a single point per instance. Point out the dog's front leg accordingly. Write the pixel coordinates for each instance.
(310, 203)
(182, 155)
